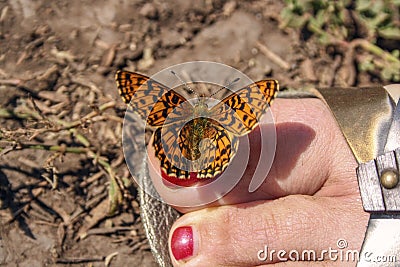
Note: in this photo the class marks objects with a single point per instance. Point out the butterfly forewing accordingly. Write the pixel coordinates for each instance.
(152, 100)
(170, 108)
(240, 112)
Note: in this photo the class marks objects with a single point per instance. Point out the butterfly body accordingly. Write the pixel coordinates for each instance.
(197, 128)
(193, 137)
(200, 108)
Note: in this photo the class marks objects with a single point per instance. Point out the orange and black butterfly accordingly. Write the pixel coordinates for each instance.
(193, 137)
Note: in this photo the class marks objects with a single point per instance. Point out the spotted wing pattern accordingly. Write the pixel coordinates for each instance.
(224, 149)
(176, 146)
(153, 101)
(175, 154)
(166, 149)
(240, 112)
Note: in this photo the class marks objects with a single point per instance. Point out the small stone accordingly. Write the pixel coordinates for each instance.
(251, 63)
(149, 11)
(267, 70)
(132, 46)
(229, 7)
(147, 61)
(173, 39)
(125, 27)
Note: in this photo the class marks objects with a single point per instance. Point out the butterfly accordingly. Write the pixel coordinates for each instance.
(189, 136)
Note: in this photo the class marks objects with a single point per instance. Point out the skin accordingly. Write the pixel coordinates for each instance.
(309, 200)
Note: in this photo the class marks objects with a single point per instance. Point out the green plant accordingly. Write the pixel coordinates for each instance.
(355, 24)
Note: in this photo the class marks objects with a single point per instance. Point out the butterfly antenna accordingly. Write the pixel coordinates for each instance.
(186, 85)
(227, 86)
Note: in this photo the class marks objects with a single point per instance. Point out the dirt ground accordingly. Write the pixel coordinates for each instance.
(61, 115)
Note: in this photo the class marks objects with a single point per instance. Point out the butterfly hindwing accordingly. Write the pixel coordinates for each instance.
(166, 151)
(175, 154)
(224, 149)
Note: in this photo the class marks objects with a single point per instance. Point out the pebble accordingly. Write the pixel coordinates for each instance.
(229, 7)
(147, 61)
(149, 11)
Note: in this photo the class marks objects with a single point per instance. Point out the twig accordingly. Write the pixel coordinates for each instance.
(114, 190)
(272, 56)
(46, 223)
(68, 125)
(88, 181)
(63, 125)
(20, 210)
(80, 260)
(366, 45)
(37, 109)
(10, 114)
(107, 231)
(86, 84)
(62, 148)
(109, 259)
(91, 179)
(375, 50)
(95, 201)
(54, 180)
(115, 194)
(14, 82)
(138, 245)
(41, 212)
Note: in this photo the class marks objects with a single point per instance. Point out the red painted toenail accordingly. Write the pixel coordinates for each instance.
(182, 242)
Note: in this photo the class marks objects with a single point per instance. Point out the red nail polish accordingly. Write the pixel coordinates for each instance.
(182, 242)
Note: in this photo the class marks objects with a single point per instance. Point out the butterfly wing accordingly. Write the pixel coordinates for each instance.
(153, 101)
(236, 115)
(240, 112)
(167, 150)
(175, 150)
(218, 151)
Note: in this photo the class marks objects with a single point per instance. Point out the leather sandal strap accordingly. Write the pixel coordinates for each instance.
(364, 116)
